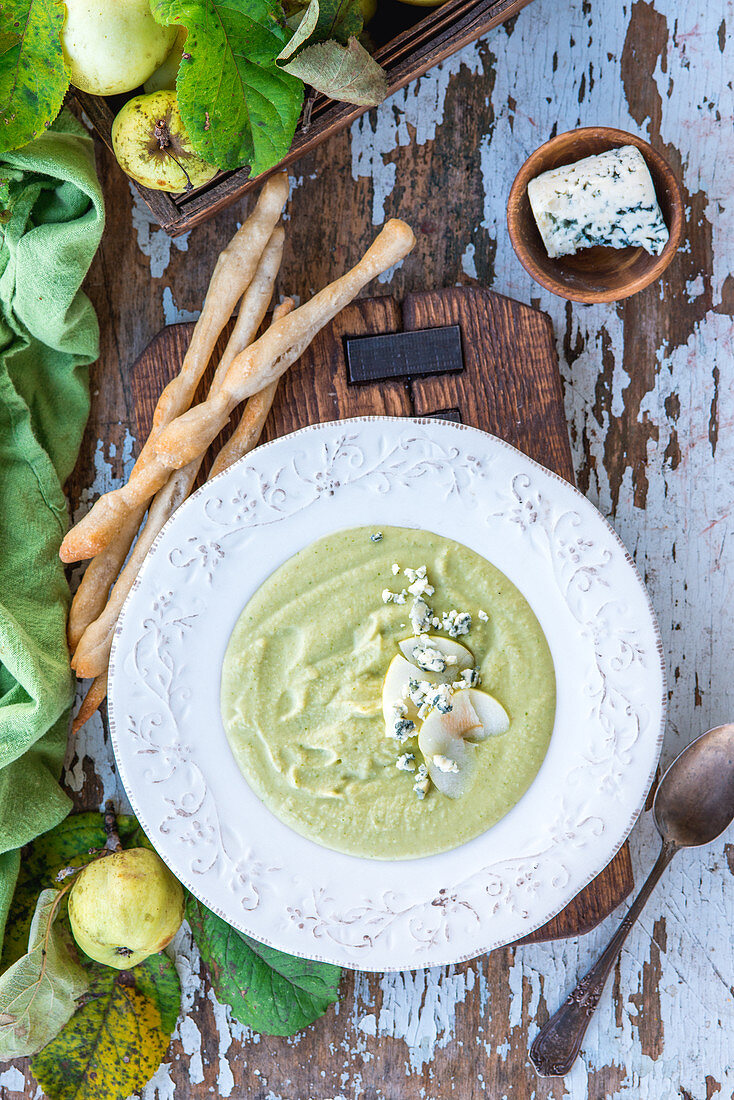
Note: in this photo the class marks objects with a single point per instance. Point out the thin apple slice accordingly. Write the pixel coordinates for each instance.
(394, 691)
(493, 716)
(442, 740)
(441, 659)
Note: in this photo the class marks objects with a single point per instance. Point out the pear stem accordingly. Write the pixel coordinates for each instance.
(113, 843)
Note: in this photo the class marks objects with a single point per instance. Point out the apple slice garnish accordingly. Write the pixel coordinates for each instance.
(443, 741)
(395, 692)
(441, 659)
(493, 717)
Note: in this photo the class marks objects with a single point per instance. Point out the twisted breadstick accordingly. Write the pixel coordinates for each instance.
(91, 702)
(233, 272)
(187, 437)
(247, 433)
(92, 654)
(91, 595)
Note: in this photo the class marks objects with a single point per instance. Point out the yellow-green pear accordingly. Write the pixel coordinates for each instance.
(124, 907)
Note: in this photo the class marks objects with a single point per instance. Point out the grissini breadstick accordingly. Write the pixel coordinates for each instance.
(273, 353)
(254, 305)
(91, 595)
(187, 437)
(92, 654)
(233, 273)
(248, 431)
(92, 701)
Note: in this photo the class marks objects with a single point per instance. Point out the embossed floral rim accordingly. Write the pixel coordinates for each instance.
(252, 870)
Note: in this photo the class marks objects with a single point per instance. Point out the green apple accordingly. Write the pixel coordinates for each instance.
(369, 7)
(165, 75)
(152, 146)
(113, 47)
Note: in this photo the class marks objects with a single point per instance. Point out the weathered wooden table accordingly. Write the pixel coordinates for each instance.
(650, 401)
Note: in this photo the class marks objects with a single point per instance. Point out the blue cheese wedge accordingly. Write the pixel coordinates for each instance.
(607, 199)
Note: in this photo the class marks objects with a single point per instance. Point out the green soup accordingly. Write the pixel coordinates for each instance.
(302, 693)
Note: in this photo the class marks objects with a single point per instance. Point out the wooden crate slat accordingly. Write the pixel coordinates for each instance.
(437, 35)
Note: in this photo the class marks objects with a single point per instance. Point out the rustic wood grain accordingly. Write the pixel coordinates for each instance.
(648, 393)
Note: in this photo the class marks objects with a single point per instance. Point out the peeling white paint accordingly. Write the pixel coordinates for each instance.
(153, 241)
(172, 314)
(12, 1080)
(468, 264)
(410, 117)
(419, 1007)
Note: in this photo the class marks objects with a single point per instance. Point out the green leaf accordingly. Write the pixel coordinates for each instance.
(69, 844)
(346, 72)
(238, 106)
(273, 993)
(156, 978)
(117, 1040)
(38, 994)
(33, 74)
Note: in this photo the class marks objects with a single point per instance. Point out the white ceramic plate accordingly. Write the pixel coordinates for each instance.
(199, 811)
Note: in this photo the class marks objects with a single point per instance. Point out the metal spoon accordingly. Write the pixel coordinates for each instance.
(693, 804)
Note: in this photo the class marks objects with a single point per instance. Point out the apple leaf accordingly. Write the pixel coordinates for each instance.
(33, 74)
(39, 993)
(346, 72)
(117, 1039)
(72, 843)
(238, 106)
(324, 21)
(269, 991)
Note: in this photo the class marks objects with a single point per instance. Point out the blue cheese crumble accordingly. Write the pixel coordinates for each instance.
(377, 537)
(422, 781)
(420, 616)
(469, 678)
(608, 199)
(456, 623)
(429, 658)
(406, 762)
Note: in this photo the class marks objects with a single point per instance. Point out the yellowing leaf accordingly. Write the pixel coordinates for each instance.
(39, 992)
(116, 1041)
(346, 72)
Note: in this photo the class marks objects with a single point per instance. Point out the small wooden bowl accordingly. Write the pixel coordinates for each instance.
(596, 274)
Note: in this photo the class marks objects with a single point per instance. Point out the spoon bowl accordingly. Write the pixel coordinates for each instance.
(694, 801)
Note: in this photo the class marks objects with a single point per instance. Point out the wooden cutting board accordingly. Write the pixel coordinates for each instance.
(509, 385)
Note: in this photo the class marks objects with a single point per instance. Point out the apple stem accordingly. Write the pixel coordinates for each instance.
(163, 136)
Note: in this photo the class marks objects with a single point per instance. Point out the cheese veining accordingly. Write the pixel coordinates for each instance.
(608, 199)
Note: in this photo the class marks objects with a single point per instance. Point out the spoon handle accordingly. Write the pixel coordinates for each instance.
(557, 1043)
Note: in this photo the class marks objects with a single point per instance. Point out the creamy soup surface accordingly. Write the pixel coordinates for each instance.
(302, 686)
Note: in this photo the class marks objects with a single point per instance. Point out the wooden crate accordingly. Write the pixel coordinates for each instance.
(425, 37)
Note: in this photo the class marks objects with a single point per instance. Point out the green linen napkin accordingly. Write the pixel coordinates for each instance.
(51, 220)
